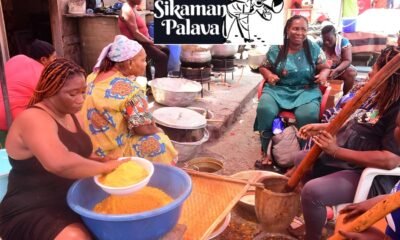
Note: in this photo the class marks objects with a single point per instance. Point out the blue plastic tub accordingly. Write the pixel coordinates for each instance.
(349, 25)
(84, 194)
(5, 168)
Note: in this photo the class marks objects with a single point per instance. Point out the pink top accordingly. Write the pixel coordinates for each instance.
(141, 25)
(22, 75)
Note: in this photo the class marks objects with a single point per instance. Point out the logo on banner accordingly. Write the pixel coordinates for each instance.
(218, 21)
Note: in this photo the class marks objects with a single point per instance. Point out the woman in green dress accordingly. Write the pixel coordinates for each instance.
(292, 72)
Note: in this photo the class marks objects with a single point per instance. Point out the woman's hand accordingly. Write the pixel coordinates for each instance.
(320, 79)
(113, 164)
(272, 79)
(326, 142)
(369, 234)
(310, 130)
(356, 209)
(333, 74)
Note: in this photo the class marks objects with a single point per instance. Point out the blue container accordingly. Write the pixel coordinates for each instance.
(5, 168)
(349, 25)
(84, 194)
(174, 61)
(151, 29)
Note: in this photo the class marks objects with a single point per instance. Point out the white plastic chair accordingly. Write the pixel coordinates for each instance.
(365, 183)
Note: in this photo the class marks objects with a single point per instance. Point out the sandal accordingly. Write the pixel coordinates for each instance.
(262, 165)
(297, 228)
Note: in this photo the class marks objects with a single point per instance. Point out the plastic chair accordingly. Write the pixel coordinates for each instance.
(365, 183)
(286, 114)
(366, 179)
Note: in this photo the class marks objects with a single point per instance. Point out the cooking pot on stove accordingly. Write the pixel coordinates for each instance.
(256, 57)
(224, 50)
(196, 53)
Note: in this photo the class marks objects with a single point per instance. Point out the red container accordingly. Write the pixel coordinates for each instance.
(363, 5)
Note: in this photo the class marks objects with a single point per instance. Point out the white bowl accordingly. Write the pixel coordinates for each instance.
(146, 164)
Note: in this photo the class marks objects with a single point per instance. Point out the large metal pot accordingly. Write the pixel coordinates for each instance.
(256, 58)
(174, 92)
(224, 50)
(196, 53)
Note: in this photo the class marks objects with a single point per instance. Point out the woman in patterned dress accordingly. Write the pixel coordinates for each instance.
(115, 112)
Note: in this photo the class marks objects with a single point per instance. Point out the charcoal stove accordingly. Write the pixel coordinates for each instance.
(223, 64)
(196, 71)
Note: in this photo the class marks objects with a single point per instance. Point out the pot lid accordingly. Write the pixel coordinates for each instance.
(179, 118)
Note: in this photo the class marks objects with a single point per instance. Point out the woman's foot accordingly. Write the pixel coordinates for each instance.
(263, 163)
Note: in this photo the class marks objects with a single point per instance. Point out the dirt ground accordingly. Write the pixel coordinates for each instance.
(239, 146)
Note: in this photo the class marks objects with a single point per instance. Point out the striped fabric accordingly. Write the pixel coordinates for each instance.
(366, 42)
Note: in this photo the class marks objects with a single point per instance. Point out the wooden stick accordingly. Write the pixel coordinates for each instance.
(370, 217)
(224, 178)
(378, 79)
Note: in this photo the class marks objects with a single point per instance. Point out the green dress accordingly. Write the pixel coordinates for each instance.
(295, 88)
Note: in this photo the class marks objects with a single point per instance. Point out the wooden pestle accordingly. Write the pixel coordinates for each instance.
(367, 219)
(378, 79)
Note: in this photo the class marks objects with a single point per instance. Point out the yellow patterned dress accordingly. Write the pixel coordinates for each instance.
(113, 108)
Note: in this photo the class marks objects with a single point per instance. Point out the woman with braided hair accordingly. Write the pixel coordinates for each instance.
(47, 150)
(366, 140)
(293, 72)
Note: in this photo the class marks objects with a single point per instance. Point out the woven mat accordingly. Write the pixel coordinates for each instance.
(212, 198)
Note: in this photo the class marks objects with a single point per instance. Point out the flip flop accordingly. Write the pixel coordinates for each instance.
(260, 164)
(297, 228)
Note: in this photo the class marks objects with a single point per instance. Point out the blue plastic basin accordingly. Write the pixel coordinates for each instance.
(84, 194)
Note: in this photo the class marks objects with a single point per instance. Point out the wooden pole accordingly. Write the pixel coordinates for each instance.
(370, 217)
(377, 80)
(3, 84)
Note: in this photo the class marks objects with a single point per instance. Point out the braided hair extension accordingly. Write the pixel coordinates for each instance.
(53, 79)
(283, 51)
(389, 92)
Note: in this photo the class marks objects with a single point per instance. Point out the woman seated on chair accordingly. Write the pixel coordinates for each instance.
(367, 140)
(338, 52)
(293, 72)
(115, 111)
(47, 150)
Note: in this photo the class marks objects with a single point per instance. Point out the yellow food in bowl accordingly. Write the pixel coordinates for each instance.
(124, 175)
(146, 199)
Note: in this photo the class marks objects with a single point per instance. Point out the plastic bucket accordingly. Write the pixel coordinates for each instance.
(151, 29)
(149, 225)
(349, 25)
(5, 168)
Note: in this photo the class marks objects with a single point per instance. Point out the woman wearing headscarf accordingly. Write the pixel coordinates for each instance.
(115, 112)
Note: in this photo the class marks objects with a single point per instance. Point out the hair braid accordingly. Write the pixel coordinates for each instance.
(53, 79)
(389, 92)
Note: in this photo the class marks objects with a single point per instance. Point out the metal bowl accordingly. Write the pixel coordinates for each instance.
(174, 92)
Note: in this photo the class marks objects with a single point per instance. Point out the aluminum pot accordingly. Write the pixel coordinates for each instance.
(224, 50)
(174, 92)
(256, 58)
(196, 53)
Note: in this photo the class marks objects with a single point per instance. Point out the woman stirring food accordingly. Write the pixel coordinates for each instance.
(47, 150)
